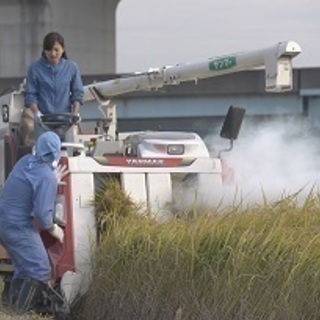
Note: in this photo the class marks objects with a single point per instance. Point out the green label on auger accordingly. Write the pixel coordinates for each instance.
(222, 63)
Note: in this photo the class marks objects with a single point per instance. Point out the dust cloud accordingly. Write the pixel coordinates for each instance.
(274, 159)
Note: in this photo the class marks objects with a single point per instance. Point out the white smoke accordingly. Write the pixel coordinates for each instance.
(273, 160)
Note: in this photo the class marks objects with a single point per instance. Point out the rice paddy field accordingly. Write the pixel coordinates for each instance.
(240, 263)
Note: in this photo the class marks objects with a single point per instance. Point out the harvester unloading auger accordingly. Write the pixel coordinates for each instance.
(143, 162)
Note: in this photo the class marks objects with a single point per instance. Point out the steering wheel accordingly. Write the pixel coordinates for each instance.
(59, 123)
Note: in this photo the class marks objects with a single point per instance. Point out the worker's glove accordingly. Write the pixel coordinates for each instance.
(61, 171)
(57, 232)
(38, 115)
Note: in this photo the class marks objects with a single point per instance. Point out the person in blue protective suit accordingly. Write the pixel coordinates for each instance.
(28, 196)
(53, 83)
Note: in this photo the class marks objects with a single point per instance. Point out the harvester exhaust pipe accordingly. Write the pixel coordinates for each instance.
(231, 126)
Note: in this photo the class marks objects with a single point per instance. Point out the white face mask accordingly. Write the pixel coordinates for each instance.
(54, 164)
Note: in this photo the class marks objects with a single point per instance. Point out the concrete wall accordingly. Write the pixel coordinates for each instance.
(88, 27)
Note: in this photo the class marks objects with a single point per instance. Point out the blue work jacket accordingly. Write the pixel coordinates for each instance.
(53, 87)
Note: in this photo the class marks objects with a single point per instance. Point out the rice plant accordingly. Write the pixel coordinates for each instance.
(254, 262)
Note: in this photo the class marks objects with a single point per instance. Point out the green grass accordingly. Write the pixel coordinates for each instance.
(257, 262)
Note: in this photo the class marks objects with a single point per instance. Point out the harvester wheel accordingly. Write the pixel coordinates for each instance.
(62, 316)
(5, 300)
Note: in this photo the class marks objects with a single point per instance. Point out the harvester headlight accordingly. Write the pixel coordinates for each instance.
(175, 149)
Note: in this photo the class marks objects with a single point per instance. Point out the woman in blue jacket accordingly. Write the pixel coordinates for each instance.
(53, 83)
(29, 194)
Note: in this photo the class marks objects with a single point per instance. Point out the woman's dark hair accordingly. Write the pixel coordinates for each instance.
(50, 39)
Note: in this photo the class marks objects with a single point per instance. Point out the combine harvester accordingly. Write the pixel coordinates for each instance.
(143, 162)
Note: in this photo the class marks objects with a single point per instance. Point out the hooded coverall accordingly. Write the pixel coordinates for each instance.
(29, 193)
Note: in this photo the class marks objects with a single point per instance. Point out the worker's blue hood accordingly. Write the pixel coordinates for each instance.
(48, 147)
